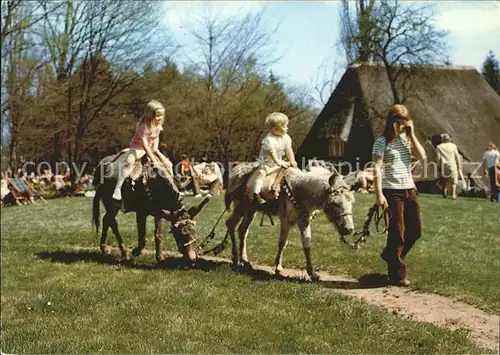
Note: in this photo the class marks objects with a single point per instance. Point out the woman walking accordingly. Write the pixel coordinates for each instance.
(395, 189)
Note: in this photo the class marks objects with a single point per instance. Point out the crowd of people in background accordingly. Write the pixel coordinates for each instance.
(22, 187)
(451, 171)
(201, 179)
(19, 187)
(204, 178)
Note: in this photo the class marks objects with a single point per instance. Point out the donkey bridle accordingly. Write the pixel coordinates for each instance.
(304, 214)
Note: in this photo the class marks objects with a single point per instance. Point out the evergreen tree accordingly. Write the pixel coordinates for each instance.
(491, 71)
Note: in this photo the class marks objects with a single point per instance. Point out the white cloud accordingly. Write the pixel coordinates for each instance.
(473, 28)
(470, 18)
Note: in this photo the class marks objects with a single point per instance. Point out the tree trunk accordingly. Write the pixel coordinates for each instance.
(393, 82)
(12, 153)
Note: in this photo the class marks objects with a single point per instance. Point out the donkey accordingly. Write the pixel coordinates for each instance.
(157, 197)
(305, 194)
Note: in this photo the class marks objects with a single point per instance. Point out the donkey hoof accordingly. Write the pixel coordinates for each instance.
(136, 252)
(123, 250)
(314, 277)
(247, 264)
(104, 249)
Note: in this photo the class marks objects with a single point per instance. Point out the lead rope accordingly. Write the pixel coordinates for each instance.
(373, 212)
(219, 247)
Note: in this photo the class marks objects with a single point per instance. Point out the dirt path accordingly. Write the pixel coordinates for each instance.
(484, 328)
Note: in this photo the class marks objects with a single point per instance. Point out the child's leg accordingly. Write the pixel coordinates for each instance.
(257, 186)
(123, 174)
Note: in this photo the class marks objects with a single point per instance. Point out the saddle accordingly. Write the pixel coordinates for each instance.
(138, 168)
(272, 184)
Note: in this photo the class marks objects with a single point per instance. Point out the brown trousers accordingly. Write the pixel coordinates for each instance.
(405, 227)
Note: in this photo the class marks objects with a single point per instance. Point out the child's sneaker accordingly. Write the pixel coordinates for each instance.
(258, 198)
(117, 195)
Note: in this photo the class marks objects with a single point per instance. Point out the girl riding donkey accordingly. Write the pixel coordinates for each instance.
(275, 145)
(145, 141)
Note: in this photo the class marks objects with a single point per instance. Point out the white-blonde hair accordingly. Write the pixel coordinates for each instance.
(149, 115)
(276, 119)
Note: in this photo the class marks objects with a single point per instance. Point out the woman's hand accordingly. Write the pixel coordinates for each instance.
(409, 129)
(294, 164)
(381, 200)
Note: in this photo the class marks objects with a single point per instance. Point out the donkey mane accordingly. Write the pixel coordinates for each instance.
(311, 188)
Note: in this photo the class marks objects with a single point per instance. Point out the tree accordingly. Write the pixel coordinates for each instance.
(491, 71)
(357, 24)
(397, 35)
(97, 54)
(229, 77)
(18, 17)
(17, 79)
(19, 63)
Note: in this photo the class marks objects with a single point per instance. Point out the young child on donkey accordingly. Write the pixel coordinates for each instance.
(145, 141)
(275, 145)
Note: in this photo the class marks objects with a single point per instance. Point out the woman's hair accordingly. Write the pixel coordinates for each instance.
(149, 115)
(396, 113)
(492, 146)
(276, 119)
(184, 157)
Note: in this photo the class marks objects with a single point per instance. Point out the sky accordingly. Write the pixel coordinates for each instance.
(308, 31)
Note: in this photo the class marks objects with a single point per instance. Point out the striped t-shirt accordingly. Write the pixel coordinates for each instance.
(396, 167)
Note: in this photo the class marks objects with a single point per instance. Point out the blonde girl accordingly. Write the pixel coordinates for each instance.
(276, 145)
(145, 141)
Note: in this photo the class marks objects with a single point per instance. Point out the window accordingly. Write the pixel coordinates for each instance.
(335, 147)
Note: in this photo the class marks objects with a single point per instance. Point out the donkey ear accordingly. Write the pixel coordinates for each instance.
(333, 178)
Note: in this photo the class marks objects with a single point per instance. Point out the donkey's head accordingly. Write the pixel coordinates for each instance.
(338, 206)
(183, 228)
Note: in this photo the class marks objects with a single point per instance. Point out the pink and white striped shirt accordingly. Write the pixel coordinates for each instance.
(141, 131)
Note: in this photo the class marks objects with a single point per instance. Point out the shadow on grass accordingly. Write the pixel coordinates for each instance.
(170, 263)
(178, 263)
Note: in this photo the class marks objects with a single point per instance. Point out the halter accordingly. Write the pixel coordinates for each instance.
(178, 226)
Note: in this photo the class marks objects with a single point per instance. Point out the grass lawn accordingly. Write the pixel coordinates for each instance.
(99, 306)
(458, 254)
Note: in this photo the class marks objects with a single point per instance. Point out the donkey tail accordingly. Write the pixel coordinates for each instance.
(96, 208)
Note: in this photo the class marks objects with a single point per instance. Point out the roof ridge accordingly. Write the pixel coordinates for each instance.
(428, 66)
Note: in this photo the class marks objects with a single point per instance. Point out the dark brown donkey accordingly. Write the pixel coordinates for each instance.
(155, 197)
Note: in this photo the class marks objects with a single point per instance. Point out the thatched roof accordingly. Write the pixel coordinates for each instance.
(453, 100)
